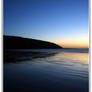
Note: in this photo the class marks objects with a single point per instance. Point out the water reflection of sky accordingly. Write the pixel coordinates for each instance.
(81, 58)
(72, 60)
(46, 72)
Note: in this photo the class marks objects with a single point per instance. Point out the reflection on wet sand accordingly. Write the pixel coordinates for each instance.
(14, 57)
(45, 72)
(71, 58)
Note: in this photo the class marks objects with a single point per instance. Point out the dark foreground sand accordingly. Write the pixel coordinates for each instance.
(46, 72)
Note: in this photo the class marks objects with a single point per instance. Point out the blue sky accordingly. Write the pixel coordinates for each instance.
(50, 20)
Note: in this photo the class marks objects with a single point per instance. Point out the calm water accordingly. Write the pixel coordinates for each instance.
(46, 70)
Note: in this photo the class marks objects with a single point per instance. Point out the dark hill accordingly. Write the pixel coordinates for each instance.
(13, 42)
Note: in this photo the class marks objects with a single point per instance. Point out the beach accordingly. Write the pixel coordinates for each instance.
(46, 70)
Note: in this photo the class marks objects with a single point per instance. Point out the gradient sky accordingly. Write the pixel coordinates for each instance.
(65, 22)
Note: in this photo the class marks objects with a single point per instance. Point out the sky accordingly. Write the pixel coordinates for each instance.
(64, 22)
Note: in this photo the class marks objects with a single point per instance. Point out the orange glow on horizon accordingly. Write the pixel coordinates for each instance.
(74, 43)
(71, 45)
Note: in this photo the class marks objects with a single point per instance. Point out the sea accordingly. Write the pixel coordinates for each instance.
(46, 70)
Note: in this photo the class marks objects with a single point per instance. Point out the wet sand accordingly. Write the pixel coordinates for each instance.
(45, 72)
